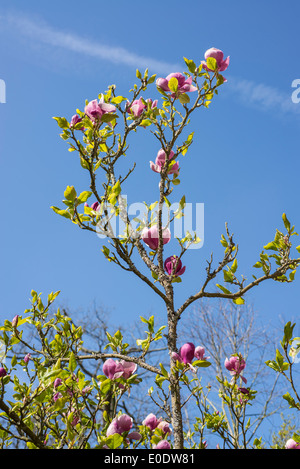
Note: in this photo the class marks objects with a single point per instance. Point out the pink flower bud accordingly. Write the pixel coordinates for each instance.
(14, 322)
(151, 421)
(165, 427)
(27, 358)
(186, 352)
(291, 444)
(2, 372)
(160, 161)
(163, 444)
(150, 236)
(75, 119)
(57, 383)
(173, 266)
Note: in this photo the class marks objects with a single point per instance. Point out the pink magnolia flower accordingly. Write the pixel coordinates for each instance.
(57, 382)
(186, 353)
(114, 370)
(139, 106)
(2, 372)
(235, 365)
(160, 162)
(27, 358)
(173, 266)
(75, 119)
(150, 236)
(200, 352)
(57, 395)
(184, 84)
(95, 110)
(291, 444)
(122, 424)
(151, 421)
(163, 444)
(219, 56)
(165, 427)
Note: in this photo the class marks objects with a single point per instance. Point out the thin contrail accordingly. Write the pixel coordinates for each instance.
(262, 97)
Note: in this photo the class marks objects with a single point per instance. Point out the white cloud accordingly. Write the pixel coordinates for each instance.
(262, 97)
(44, 33)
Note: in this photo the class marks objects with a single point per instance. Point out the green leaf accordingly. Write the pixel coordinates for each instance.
(201, 363)
(13, 361)
(228, 276)
(114, 441)
(234, 266)
(63, 213)
(83, 197)
(173, 84)
(286, 223)
(70, 193)
(224, 290)
(62, 122)
(239, 301)
(211, 63)
(118, 100)
(184, 98)
(163, 371)
(190, 64)
(151, 79)
(72, 362)
(108, 117)
(105, 386)
(271, 246)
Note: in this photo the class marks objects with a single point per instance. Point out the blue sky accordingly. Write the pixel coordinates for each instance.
(243, 165)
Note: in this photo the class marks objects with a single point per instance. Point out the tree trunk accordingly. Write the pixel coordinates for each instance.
(174, 383)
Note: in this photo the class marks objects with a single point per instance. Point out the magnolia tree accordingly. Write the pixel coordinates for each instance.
(59, 405)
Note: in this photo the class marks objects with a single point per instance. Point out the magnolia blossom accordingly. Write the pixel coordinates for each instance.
(173, 266)
(184, 84)
(160, 162)
(235, 365)
(163, 444)
(96, 109)
(114, 370)
(75, 119)
(57, 395)
(219, 56)
(2, 372)
(200, 352)
(151, 421)
(292, 444)
(164, 426)
(139, 106)
(27, 358)
(57, 382)
(122, 424)
(151, 238)
(188, 352)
